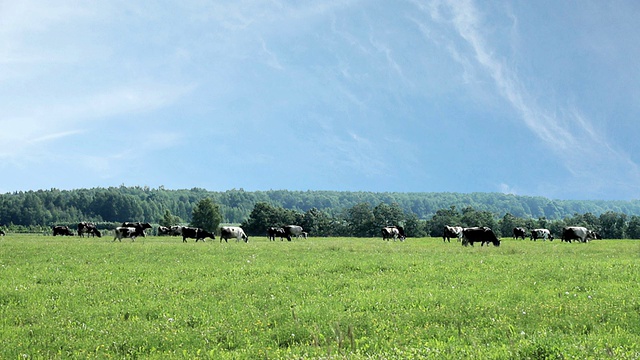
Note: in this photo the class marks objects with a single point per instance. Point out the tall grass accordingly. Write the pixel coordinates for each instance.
(317, 298)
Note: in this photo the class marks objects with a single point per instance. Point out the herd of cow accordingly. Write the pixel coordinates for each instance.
(132, 230)
(485, 235)
(467, 236)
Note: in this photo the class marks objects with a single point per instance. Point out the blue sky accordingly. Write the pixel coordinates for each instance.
(523, 97)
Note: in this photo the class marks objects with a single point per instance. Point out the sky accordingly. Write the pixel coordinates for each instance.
(535, 98)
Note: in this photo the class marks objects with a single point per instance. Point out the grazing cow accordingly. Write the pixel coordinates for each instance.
(393, 232)
(164, 230)
(196, 233)
(292, 230)
(62, 231)
(230, 232)
(141, 227)
(577, 233)
(88, 228)
(2, 233)
(479, 234)
(450, 232)
(543, 234)
(519, 232)
(127, 232)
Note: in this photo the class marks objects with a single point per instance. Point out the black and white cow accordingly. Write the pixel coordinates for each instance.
(230, 232)
(479, 234)
(274, 232)
(62, 230)
(451, 232)
(543, 234)
(127, 232)
(196, 233)
(519, 232)
(141, 227)
(293, 231)
(89, 229)
(176, 230)
(164, 230)
(2, 233)
(393, 232)
(580, 233)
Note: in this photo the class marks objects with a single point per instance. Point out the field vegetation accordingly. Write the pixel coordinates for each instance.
(356, 298)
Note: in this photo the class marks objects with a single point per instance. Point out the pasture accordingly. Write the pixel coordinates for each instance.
(71, 297)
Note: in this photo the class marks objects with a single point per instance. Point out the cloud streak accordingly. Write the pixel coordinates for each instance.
(566, 131)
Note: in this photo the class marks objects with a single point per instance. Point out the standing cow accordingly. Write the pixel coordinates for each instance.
(274, 232)
(580, 233)
(519, 232)
(89, 229)
(196, 233)
(141, 227)
(451, 232)
(127, 232)
(230, 232)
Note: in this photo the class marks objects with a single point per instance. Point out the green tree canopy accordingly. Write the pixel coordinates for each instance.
(206, 215)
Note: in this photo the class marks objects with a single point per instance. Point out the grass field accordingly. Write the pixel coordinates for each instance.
(317, 298)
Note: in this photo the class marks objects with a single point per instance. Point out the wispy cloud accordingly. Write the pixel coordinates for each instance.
(566, 131)
(28, 128)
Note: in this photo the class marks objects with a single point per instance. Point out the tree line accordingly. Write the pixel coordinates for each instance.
(325, 213)
(364, 220)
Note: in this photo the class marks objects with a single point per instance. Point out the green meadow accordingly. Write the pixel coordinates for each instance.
(329, 298)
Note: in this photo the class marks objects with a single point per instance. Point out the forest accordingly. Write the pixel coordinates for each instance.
(328, 213)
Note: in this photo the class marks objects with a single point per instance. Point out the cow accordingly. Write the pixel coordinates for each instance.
(164, 230)
(127, 232)
(176, 230)
(88, 228)
(519, 232)
(580, 233)
(62, 230)
(450, 232)
(2, 233)
(196, 233)
(230, 232)
(272, 232)
(479, 234)
(393, 232)
(292, 230)
(543, 234)
(141, 227)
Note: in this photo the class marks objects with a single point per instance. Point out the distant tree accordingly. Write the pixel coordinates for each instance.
(472, 217)
(386, 215)
(316, 222)
(264, 216)
(612, 225)
(633, 229)
(414, 227)
(168, 219)
(362, 221)
(206, 215)
(441, 218)
(507, 223)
